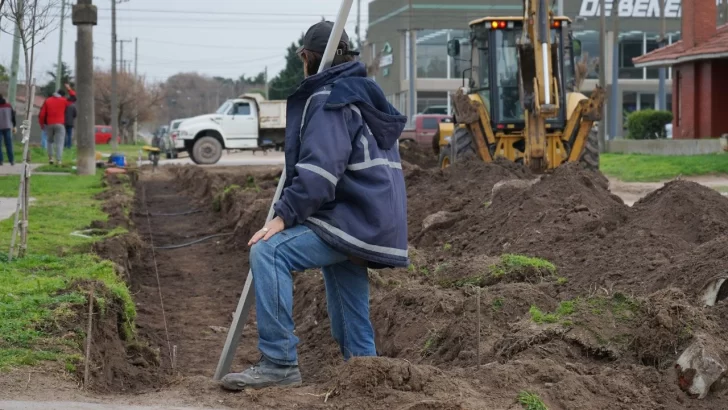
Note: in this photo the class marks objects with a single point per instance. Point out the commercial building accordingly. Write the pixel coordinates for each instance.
(434, 22)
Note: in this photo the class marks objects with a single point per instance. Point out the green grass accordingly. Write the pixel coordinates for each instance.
(531, 401)
(564, 309)
(40, 156)
(41, 295)
(515, 263)
(653, 168)
(64, 204)
(65, 168)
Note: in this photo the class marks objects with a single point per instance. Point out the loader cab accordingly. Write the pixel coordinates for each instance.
(494, 74)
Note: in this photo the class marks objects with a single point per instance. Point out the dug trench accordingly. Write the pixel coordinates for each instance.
(581, 301)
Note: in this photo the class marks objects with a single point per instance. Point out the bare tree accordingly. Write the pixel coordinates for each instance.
(35, 20)
(133, 94)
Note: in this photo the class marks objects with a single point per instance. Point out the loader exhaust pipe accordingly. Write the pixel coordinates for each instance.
(543, 37)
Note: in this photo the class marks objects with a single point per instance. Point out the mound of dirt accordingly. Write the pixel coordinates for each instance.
(690, 211)
(419, 155)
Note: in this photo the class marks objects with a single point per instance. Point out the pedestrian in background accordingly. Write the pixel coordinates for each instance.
(70, 121)
(7, 129)
(52, 120)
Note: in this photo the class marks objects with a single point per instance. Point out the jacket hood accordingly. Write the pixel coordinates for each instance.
(350, 85)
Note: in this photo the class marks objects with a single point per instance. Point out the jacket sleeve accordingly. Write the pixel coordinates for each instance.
(71, 93)
(324, 154)
(12, 116)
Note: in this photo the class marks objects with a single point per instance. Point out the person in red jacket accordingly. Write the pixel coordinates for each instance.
(52, 120)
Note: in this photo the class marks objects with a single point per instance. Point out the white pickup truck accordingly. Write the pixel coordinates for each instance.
(245, 123)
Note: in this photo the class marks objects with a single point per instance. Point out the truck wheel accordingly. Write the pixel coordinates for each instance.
(590, 156)
(207, 151)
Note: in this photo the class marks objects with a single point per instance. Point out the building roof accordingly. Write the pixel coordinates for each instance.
(715, 47)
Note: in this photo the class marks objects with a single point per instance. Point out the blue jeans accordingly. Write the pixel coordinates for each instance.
(43, 139)
(69, 137)
(6, 136)
(347, 294)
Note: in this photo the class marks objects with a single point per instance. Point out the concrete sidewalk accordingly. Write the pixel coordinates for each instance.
(57, 405)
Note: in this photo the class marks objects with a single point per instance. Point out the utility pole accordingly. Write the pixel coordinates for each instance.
(14, 65)
(85, 17)
(59, 66)
(267, 87)
(114, 82)
(662, 92)
(603, 71)
(561, 8)
(412, 70)
(614, 94)
(358, 25)
(136, 78)
(121, 56)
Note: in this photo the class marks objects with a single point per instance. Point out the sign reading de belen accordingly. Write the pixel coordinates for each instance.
(633, 8)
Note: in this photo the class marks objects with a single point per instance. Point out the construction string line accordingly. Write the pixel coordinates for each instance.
(193, 242)
(194, 211)
(156, 271)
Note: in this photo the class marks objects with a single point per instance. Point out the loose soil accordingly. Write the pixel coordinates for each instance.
(599, 328)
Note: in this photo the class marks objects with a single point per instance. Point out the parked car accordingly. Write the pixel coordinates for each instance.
(245, 123)
(173, 144)
(436, 109)
(102, 135)
(426, 126)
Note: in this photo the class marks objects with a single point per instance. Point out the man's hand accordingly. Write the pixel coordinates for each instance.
(68, 86)
(15, 130)
(271, 228)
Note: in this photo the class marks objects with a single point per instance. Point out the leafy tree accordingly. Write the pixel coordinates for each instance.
(66, 78)
(4, 76)
(288, 80)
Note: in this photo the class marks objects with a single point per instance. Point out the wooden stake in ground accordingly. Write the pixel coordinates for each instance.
(477, 349)
(23, 190)
(88, 338)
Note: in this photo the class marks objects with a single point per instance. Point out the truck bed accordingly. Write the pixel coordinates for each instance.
(272, 114)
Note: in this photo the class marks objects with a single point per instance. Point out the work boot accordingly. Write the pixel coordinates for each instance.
(263, 374)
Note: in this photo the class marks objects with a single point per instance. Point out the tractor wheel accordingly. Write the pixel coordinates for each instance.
(590, 156)
(464, 145)
(445, 156)
(436, 143)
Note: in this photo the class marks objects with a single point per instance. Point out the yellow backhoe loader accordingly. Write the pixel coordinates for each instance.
(521, 102)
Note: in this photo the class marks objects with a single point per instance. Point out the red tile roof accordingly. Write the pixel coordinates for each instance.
(716, 47)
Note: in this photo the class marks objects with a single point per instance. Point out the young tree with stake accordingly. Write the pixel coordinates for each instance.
(34, 20)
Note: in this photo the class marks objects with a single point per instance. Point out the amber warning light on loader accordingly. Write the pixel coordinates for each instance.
(501, 25)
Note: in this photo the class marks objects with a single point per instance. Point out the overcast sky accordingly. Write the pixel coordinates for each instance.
(215, 37)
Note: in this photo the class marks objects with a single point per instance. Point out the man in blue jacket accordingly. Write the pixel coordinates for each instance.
(343, 209)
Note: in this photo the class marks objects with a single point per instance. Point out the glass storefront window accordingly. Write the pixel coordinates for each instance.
(431, 102)
(653, 43)
(630, 46)
(589, 51)
(648, 101)
(432, 54)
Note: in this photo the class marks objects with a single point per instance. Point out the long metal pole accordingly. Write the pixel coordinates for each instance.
(15, 62)
(412, 70)
(136, 78)
(662, 91)
(614, 111)
(562, 12)
(114, 82)
(248, 296)
(59, 65)
(603, 71)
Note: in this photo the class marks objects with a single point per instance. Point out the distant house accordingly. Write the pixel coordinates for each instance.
(20, 105)
(700, 72)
